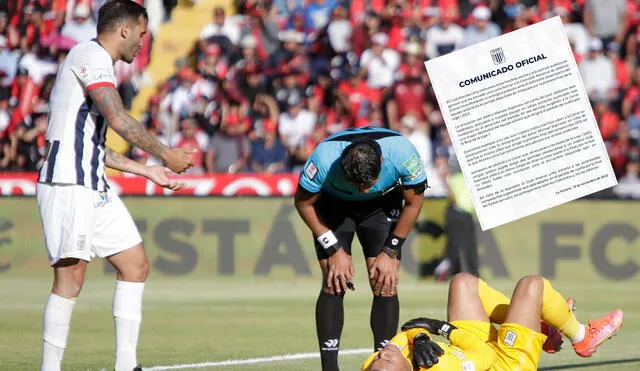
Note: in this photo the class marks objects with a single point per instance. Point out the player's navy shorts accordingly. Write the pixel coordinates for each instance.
(371, 220)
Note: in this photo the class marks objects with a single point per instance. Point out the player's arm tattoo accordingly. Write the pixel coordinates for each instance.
(117, 161)
(110, 106)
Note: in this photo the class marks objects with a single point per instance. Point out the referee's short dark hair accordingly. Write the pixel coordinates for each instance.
(113, 12)
(361, 162)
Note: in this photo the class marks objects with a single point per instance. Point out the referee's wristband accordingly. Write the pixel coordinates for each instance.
(394, 242)
(327, 239)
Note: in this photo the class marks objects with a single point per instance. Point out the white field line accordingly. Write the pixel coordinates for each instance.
(252, 361)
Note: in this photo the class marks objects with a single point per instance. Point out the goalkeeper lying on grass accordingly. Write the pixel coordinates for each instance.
(534, 319)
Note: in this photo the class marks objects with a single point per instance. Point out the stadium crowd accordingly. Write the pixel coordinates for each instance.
(262, 87)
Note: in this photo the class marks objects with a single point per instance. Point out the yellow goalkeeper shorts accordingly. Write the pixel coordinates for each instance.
(518, 348)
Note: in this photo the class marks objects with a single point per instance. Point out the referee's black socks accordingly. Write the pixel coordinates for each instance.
(385, 313)
(329, 322)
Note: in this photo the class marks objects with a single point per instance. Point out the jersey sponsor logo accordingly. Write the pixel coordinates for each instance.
(103, 200)
(311, 170)
(101, 74)
(331, 344)
(413, 165)
(510, 338)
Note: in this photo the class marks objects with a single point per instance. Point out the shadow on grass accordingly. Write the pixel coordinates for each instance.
(592, 364)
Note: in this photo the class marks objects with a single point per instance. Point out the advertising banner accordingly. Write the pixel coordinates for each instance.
(250, 236)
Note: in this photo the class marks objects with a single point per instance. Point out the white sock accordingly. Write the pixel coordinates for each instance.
(57, 318)
(127, 315)
(580, 335)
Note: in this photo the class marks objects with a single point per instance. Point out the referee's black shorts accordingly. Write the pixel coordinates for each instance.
(371, 220)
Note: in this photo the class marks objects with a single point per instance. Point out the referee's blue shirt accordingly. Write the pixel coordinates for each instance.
(401, 165)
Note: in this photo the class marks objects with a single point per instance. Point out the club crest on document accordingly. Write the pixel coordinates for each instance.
(498, 56)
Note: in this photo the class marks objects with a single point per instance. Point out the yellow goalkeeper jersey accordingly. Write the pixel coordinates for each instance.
(466, 352)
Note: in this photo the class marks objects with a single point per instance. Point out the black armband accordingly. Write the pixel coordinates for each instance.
(418, 187)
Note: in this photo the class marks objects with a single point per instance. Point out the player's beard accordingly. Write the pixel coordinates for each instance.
(130, 56)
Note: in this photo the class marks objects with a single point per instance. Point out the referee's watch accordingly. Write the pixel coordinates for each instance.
(393, 253)
(392, 245)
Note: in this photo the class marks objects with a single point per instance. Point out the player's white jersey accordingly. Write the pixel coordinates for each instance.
(77, 131)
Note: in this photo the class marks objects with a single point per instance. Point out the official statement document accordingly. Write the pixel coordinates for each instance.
(521, 123)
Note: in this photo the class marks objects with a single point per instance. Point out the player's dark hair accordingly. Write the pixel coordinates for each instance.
(361, 161)
(114, 12)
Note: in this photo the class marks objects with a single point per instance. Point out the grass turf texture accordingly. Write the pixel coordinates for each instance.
(190, 320)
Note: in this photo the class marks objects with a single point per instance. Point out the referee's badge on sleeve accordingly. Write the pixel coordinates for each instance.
(311, 170)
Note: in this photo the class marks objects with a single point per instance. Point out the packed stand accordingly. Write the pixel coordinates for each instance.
(35, 37)
(262, 87)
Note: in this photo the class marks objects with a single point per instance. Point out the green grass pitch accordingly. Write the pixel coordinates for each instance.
(190, 321)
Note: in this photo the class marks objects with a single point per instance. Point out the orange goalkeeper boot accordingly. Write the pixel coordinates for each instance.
(597, 331)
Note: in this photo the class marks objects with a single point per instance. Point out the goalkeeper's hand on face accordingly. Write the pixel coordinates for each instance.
(425, 351)
(433, 326)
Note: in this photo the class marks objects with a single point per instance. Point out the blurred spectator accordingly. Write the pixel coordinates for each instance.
(409, 93)
(597, 71)
(629, 185)
(263, 28)
(619, 148)
(191, 137)
(380, 62)
(222, 25)
(228, 151)
(608, 120)
(606, 20)
(418, 134)
(252, 82)
(268, 155)
(576, 32)
(295, 125)
(481, 28)
(8, 62)
(317, 13)
(362, 34)
(31, 140)
(444, 37)
(356, 95)
(292, 55)
(81, 28)
(340, 30)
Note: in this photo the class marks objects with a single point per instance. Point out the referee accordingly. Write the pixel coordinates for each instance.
(370, 182)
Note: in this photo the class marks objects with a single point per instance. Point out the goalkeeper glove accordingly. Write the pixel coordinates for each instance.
(433, 326)
(425, 351)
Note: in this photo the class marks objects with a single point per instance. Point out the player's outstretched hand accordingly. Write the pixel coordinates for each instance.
(179, 159)
(425, 351)
(383, 275)
(158, 175)
(340, 271)
(433, 326)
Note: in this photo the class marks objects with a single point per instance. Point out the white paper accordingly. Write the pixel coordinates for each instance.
(521, 123)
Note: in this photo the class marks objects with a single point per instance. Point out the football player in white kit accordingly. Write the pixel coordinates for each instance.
(81, 217)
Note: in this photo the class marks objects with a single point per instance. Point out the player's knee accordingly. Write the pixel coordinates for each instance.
(68, 283)
(531, 285)
(143, 270)
(136, 272)
(464, 282)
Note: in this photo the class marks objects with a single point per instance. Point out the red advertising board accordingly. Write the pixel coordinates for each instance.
(24, 184)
